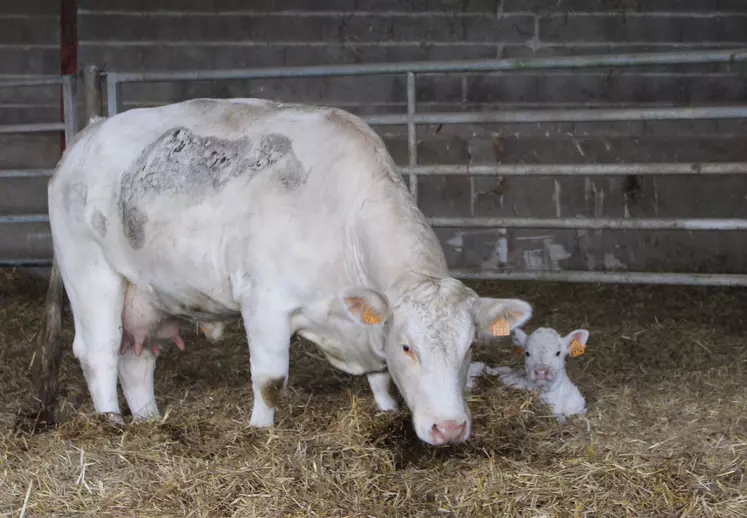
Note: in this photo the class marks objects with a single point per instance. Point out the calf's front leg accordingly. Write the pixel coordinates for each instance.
(381, 386)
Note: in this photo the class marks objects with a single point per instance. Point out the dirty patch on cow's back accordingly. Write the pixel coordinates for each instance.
(99, 222)
(74, 194)
(180, 162)
(133, 222)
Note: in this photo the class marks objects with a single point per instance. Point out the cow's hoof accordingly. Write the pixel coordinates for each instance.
(146, 418)
(262, 419)
(387, 405)
(114, 419)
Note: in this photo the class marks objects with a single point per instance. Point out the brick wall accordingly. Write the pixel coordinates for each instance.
(130, 35)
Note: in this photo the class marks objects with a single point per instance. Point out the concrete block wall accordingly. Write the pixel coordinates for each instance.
(132, 35)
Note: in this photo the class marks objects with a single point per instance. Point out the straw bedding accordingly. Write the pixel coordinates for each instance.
(666, 435)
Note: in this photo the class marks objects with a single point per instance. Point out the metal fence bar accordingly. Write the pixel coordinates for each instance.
(593, 223)
(561, 223)
(39, 127)
(36, 81)
(24, 263)
(69, 115)
(412, 133)
(584, 115)
(651, 169)
(689, 169)
(683, 279)
(25, 173)
(24, 218)
(112, 93)
(421, 67)
(92, 92)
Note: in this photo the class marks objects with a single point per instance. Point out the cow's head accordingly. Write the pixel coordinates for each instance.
(426, 336)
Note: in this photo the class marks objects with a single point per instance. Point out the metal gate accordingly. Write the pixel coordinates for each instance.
(412, 170)
(68, 127)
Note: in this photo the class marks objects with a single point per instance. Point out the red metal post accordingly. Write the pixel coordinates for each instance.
(68, 47)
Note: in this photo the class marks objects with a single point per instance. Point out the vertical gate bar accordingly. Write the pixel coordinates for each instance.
(68, 108)
(112, 92)
(412, 133)
(92, 88)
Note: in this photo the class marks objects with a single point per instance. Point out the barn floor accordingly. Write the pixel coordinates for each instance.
(664, 374)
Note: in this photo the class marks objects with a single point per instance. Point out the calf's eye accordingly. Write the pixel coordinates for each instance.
(527, 353)
(557, 353)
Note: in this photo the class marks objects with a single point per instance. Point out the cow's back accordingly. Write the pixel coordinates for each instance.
(225, 188)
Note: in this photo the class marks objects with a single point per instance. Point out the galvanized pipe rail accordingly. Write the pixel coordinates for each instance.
(584, 115)
(25, 173)
(547, 223)
(664, 278)
(639, 169)
(593, 223)
(431, 67)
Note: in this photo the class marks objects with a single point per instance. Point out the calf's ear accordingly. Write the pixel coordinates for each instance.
(498, 317)
(575, 342)
(362, 305)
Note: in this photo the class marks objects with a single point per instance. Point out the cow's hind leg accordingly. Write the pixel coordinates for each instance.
(96, 294)
(268, 333)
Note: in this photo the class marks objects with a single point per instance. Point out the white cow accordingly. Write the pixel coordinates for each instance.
(291, 217)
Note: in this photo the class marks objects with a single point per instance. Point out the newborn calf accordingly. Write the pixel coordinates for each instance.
(545, 352)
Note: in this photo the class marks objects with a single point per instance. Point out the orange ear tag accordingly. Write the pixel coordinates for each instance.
(501, 328)
(370, 317)
(576, 349)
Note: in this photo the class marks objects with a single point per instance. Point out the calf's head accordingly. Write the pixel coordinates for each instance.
(545, 352)
(425, 337)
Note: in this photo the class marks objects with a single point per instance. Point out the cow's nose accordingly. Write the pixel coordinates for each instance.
(540, 372)
(445, 432)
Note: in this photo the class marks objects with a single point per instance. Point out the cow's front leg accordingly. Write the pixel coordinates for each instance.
(381, 386)
(269, 335)
(136, 377)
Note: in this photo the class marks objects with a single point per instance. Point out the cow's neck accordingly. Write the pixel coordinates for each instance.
(400, 247)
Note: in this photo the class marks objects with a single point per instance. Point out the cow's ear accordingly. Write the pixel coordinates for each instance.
(519, 338)
(362, 305)
(498, 317)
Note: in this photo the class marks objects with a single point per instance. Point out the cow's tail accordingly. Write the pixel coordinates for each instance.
(48, 353)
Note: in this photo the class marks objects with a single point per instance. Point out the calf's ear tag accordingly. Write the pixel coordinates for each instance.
(576, 349)
(501, 328)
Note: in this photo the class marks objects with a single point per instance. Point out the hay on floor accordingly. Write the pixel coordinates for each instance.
(666, 435)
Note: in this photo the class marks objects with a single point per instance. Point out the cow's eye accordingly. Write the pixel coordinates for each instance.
(527, 353)
(557, 353)
(406, 348)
